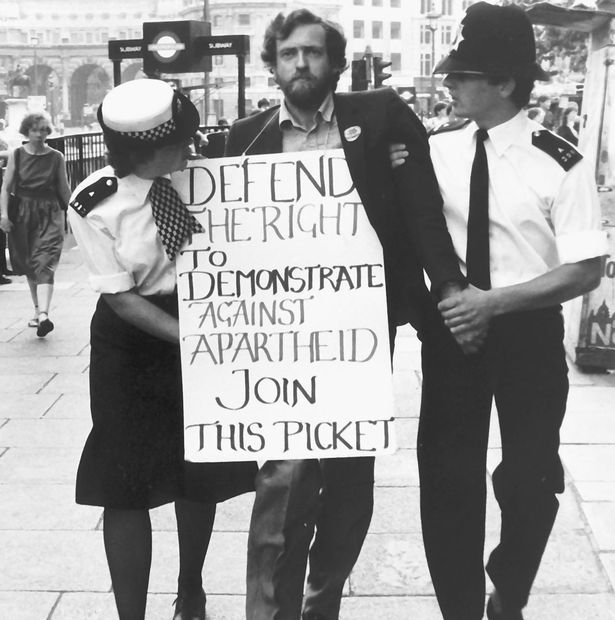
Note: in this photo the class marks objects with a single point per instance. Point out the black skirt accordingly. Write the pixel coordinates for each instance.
(133, 457)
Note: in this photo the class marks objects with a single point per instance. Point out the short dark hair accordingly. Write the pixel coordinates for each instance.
(522, 92)
(567, 111)
(29, 120)
(282, 27)
(125, 160)
(441, 105)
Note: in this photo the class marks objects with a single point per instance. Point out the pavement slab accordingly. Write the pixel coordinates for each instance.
(71, 406)
(28, 605)
(225, 568)
(46, 465)
(590, 462)
(44, 507)
(46, 433)
(66, 560)
(391, 564)
(397, 470)
(601, 519)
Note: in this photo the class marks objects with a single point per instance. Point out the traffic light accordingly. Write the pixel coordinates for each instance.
(359, 75)
(379, 74)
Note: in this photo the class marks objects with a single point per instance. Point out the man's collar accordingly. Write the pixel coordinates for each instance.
(507, 133)
(326, 110)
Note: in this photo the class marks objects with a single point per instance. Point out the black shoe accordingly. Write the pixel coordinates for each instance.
(4, 280)
(502, 614)
(7, 272)
(44, 327)
(189, 607)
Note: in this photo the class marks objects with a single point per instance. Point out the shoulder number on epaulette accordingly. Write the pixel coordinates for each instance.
(91, 195)
(562, 152)
(452, 126)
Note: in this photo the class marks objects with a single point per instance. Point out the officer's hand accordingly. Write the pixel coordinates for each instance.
(470, 341)
(467, 314)
(398, 154)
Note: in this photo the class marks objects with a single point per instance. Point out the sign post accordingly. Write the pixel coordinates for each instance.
(121, 49)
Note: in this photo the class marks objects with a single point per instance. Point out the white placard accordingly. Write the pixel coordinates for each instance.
(284, 335)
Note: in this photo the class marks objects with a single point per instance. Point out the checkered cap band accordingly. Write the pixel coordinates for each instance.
(152, 135)
(173, 220)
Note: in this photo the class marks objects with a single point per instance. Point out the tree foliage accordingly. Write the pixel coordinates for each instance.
(559, 50)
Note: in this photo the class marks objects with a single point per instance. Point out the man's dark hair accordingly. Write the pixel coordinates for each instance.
(441, 105)
(282, 27)
(522, 92)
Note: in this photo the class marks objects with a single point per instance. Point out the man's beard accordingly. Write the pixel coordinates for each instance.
(307, 92)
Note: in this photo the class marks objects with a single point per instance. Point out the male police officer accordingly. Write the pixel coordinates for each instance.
(521, 206)
(306, 55)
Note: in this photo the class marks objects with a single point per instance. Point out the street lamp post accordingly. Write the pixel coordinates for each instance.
(432, 23)
(34, 43)
(205, 118)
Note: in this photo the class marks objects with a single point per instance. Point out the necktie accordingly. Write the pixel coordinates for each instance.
(173, 220)
(477, 250)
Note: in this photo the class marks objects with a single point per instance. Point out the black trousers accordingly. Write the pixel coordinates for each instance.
(523, 367)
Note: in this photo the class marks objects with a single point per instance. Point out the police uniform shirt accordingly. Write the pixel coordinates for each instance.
(119, 241)
(540, 214)
(323, 135)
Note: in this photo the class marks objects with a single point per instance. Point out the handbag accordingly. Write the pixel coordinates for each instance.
(13, 208)
(13, 204)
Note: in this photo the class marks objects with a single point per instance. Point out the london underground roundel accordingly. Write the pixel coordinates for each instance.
(166, 46)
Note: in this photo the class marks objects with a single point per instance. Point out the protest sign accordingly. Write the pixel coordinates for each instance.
(284, 335)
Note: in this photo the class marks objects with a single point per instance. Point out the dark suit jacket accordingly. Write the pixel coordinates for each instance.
(403, 205)
(565, 132)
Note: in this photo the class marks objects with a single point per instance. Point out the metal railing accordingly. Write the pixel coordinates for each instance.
(85, 152)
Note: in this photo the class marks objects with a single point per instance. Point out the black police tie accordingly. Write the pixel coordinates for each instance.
(477, 250)
(173, 220)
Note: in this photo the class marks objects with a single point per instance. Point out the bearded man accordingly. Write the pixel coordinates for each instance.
(334, 497)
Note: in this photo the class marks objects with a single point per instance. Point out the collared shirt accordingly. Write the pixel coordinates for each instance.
(540, 215)
(119, 241)
(323, 135)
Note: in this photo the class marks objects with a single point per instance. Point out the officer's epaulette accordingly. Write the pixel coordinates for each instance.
(91, 195)
(562, 151)
(452, 126)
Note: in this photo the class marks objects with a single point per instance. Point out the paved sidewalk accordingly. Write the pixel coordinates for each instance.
(52, 564)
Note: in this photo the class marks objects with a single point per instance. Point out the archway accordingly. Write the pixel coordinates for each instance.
(38, 75)
(133, 71)
(88, 85)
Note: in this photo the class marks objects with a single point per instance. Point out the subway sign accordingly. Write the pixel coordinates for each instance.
(235, 44)
(125, 48)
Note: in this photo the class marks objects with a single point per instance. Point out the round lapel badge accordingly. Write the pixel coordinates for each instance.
(352, 133)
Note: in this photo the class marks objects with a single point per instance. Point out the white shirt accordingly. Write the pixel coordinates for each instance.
(540, 216)
(119, 240)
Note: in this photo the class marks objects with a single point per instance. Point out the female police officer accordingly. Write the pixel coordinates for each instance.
(129, 223)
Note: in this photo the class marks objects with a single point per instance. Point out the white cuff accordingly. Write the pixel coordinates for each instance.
(576, 247)
(114, 283)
